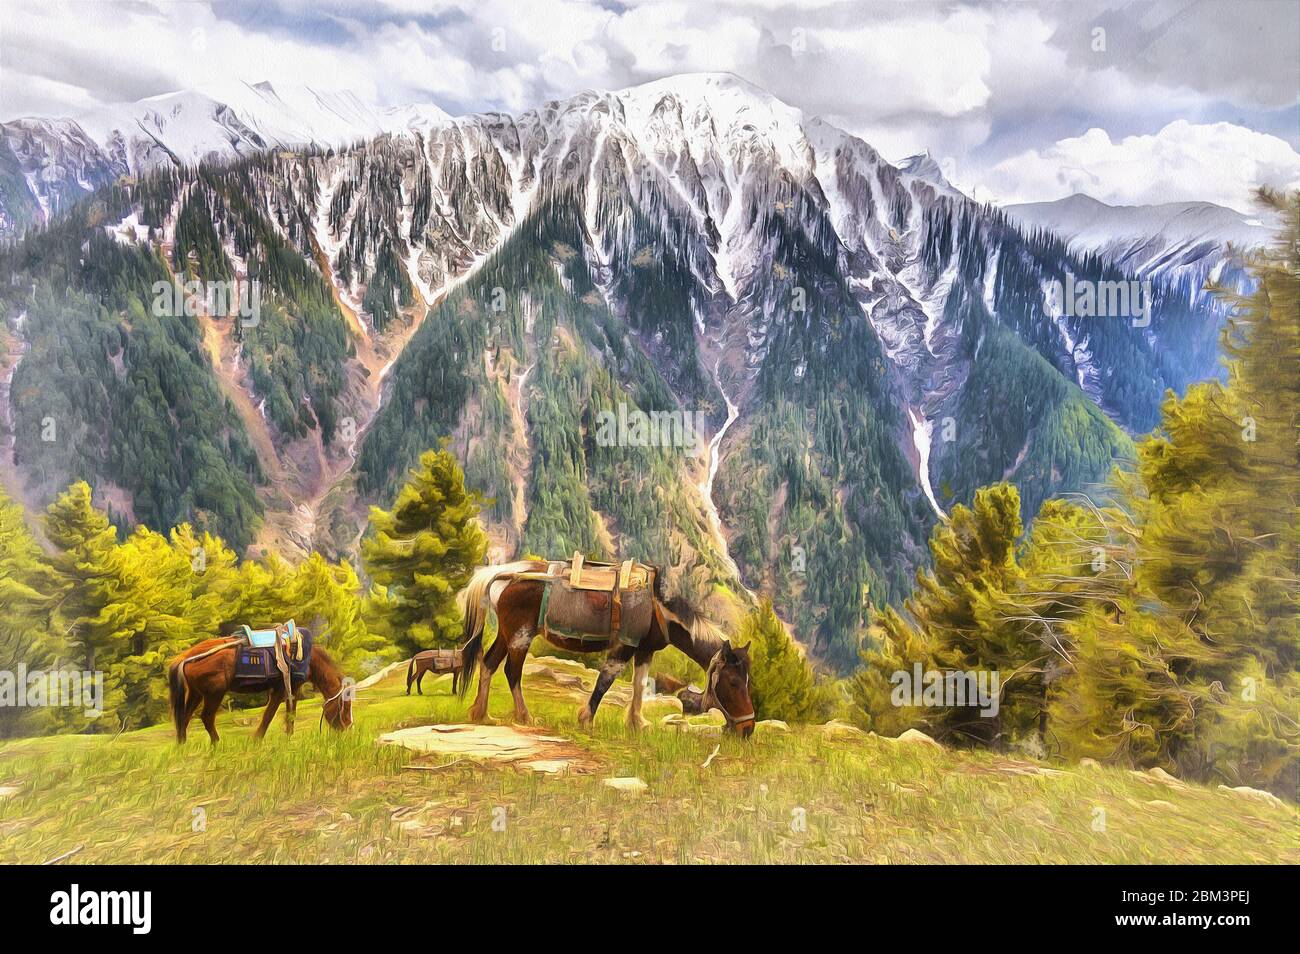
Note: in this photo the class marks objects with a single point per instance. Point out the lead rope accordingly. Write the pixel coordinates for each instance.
(282, 662)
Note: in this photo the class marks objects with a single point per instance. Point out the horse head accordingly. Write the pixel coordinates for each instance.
(336, 690)
(726, 686)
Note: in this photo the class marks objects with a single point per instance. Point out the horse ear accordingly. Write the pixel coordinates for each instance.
(743, 651)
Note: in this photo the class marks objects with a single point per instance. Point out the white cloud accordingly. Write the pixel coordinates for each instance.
(993, 87)
(1214, 162)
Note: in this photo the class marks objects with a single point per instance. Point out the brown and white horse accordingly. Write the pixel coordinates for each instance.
(518, 603)
(201, 676)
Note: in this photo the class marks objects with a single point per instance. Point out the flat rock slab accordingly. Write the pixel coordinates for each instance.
(501, 744)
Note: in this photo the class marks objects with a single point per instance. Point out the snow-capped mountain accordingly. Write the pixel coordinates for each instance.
(1188, 238)
(55, 161)
(865, 344)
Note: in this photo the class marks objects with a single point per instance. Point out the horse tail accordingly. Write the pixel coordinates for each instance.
(178, 689)
(475, 610)
(410, 675)
(477, 601)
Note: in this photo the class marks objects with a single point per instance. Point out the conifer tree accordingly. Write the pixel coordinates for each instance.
(85, 556)
(1215, 614)
(961, 617)
(28, 591)
(423, 551)
(782, 683)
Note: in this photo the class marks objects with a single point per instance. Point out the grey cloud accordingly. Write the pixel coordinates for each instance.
(1241, 50)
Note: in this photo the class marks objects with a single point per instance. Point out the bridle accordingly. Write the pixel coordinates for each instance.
(711, 700)
(346, 702)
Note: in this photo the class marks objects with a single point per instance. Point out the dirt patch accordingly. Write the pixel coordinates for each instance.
(517, 746)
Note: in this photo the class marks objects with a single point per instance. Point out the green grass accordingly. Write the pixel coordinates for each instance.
(340, 798)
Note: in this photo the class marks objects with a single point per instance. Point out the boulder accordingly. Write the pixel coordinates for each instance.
(632, 785)
(382, 674)
(709, 723)
(772, 725)
(917, 737)
(838, 728)
(671, 702)
(1268, 798)
(1160, 775)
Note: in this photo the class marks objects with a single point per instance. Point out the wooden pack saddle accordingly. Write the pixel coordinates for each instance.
(597, 602)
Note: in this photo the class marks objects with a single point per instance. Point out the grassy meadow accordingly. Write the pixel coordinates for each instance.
(802, 796)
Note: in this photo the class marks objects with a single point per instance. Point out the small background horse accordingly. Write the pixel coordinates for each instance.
(436, 661)
(518, 604)
(193, 682)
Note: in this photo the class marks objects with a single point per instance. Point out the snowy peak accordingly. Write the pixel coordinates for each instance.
(216, 121)
(63, 159)
(1172, 238)
(924, 166)
(1090, 224)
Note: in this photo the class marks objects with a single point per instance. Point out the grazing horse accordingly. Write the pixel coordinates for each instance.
(518, 604)
(436, 661)
(202, 675)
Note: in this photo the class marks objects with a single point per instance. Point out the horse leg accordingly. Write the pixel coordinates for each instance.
(640, 672)
(419, 681)
(191, 706)
(518, 653)
(211, 706)
(614, 664)
(486, 668)
(268, 715)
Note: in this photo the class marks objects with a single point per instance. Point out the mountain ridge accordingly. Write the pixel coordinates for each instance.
(866, 346)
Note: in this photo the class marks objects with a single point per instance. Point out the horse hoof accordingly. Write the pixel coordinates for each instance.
(584, 716)
(637, 724)
(523, 718)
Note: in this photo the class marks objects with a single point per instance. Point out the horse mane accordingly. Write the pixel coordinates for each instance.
(704, 632)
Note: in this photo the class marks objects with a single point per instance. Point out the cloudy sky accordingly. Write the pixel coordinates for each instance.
(1020, 101)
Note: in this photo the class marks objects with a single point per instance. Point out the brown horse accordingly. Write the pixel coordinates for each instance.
(436, 661)
(193, 681)
(518, 603)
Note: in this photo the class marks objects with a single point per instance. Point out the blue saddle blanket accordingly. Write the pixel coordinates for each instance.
(255, 664)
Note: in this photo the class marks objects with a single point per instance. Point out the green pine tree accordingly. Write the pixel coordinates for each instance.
(962, 617)
(782, 683)
(85, 546)
(28, 591)
(422, 552)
